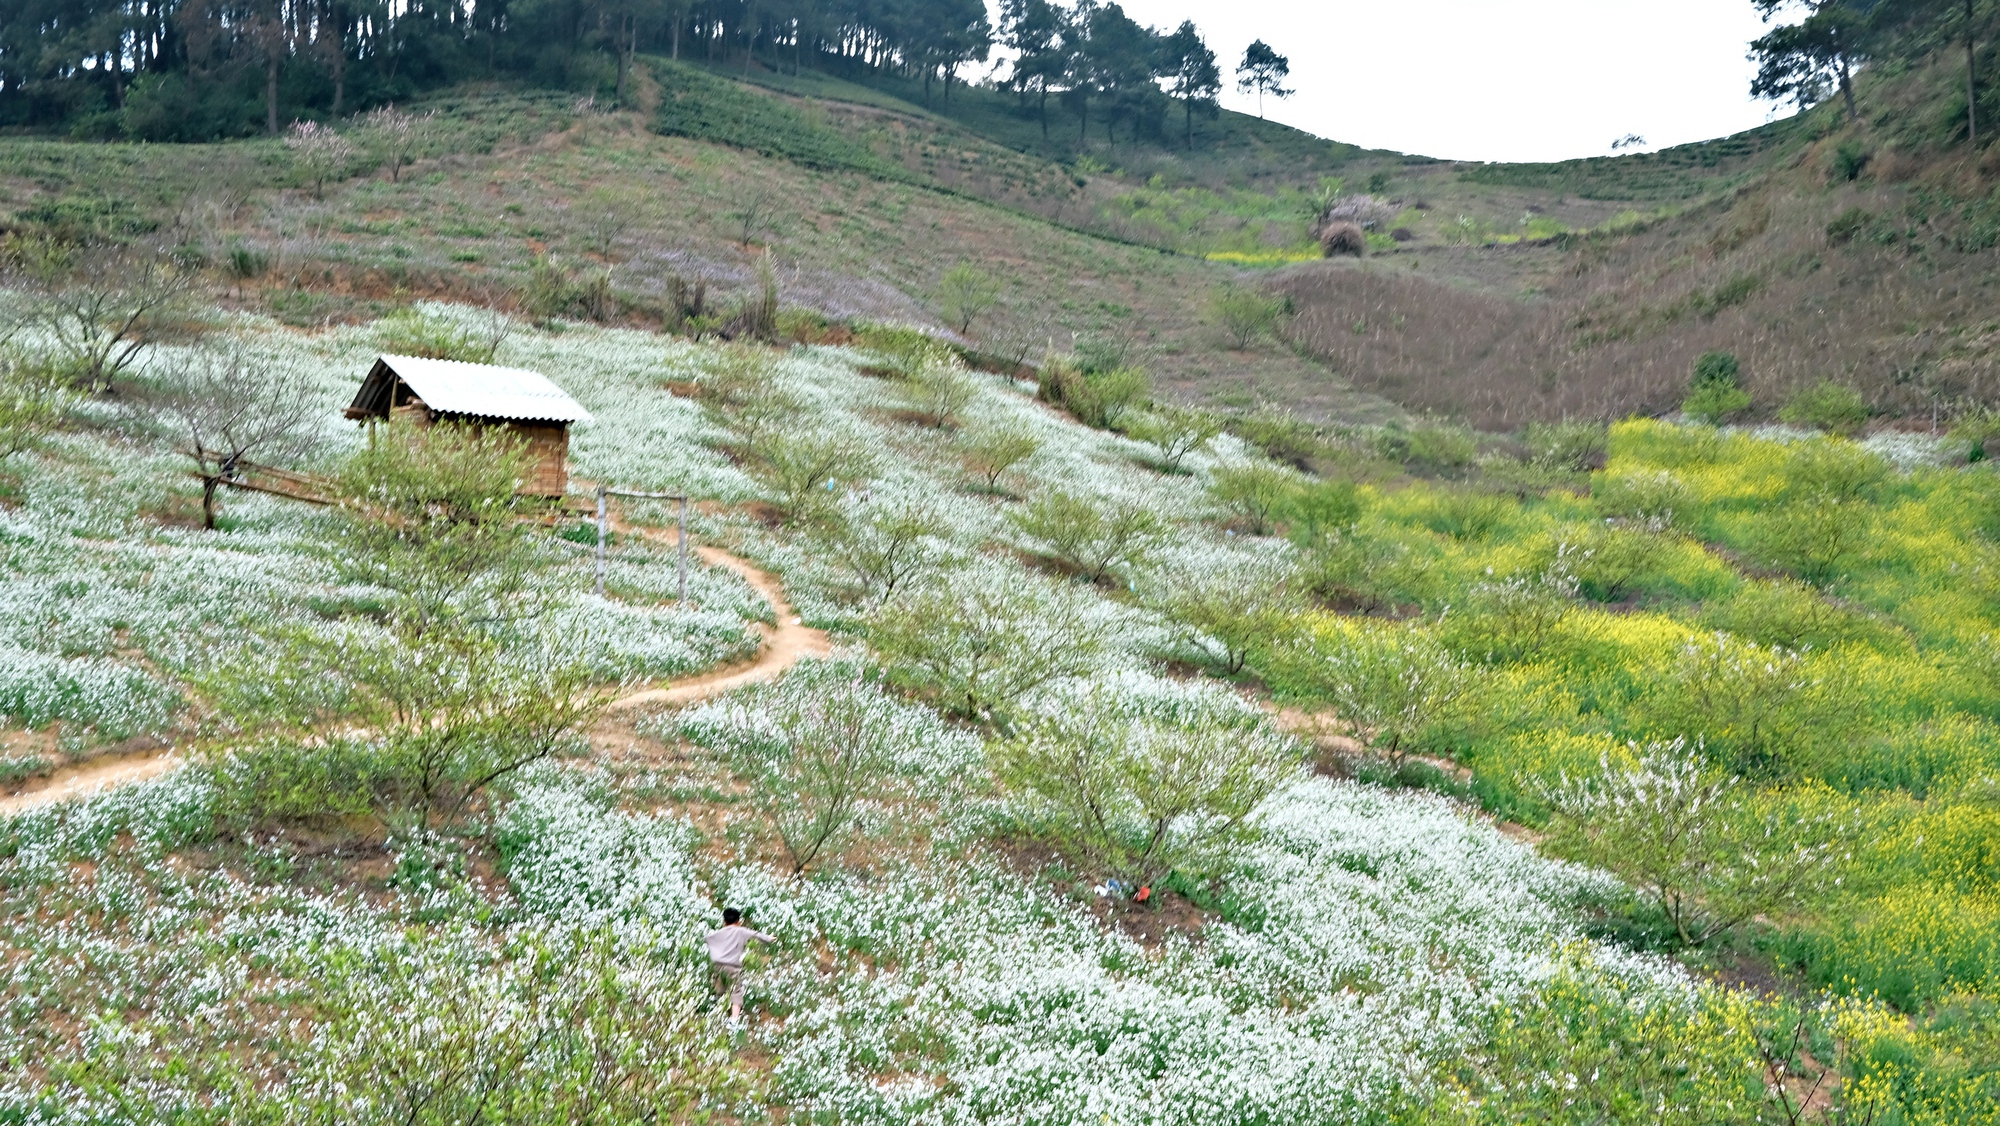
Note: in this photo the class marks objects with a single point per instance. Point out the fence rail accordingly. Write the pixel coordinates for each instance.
(314, 488)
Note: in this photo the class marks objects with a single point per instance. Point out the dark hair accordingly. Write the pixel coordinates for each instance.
(731, 915)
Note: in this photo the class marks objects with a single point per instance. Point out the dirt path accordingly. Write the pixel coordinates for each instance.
(783, 647)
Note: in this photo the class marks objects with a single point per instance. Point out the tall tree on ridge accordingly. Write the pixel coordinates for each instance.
(1192, 73)
(1263, 70)
(1038, 33)
(1799, 60)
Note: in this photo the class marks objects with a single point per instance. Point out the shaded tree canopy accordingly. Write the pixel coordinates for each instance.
(187, 70)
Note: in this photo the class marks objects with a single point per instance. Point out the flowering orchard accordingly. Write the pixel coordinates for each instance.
(1032, 705)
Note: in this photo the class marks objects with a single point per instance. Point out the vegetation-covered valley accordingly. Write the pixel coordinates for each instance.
(1174, 620)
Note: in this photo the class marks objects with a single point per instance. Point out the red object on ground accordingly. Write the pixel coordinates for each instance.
(1145, 893)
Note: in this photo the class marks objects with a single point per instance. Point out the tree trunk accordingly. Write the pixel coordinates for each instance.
(1045, 111)
(208, 502)
(677, 37)
(1847, 89)
(1971, 84)
(1190, 125)
(619, 88)
(271, 93)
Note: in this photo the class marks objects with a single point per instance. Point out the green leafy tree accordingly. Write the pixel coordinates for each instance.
(452, 683)
(885, 544)
(1833, 407)
(802, 471)
(1705, 852)
(988, 453)
(1264, 71)
(1391, 687)
(940, 389)
(1245, 315)
(1098, 395)
(431, 514)
(32, 402)
(1140, 789)
(1192, 75)
(554, 1025)
(1715, 393)
(1175, 432)
(826, 753)
(966, 293)
(1760, 708)
(1255, 494)
(1799, 62)
(982, 646)
(1225, 616)
(1092, 538)
(1041, 36)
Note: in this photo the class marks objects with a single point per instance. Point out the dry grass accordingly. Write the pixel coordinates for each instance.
(1501, 336)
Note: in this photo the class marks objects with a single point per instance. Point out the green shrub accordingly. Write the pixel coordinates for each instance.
(990, 452)
(1175, 432)
(1715, 392)
(982, 647)
(1615, 557)
(1759, 709)
(413, 332)
(1706, 854)
(1290, 441)
(1367, 573)
(1570, 447)
(1463, 515)
(1097, 397)
(826, 753)
(1224, 616)
(1395, 689)
(291, 781)
(1657, 497)
(940, 389)
(1833, 407)
(1849, 160)
(554, 290)
(965, 293)
(1432, 448)
(1245, 315)
(1141, 789)
(801, 471)
(1094, 539)
(902, 351)
(1316, 511)
(885, 544)
(1254, 494)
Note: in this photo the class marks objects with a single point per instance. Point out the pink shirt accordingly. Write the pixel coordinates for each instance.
(726, 946)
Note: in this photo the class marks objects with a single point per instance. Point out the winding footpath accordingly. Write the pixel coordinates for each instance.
(783, 646)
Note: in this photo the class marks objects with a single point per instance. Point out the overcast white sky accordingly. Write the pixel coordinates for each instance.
(1492, 79)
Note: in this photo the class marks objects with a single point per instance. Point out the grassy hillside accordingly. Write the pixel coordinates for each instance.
(506, 178)
(1859, 254)
(1335, 931)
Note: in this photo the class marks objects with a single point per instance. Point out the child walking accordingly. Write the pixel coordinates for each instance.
(725, 955)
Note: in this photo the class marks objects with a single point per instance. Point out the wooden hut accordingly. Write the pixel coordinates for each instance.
(525, 402)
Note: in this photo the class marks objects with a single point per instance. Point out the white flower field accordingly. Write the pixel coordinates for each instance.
(1345, 953)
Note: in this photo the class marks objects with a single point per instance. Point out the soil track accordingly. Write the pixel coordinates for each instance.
(783, 647)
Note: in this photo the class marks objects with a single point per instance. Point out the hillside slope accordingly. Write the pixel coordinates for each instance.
(1852, 253)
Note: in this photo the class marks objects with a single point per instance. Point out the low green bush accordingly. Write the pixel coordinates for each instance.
(1833, 407)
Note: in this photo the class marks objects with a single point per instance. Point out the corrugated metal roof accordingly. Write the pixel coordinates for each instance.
(486, 391)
